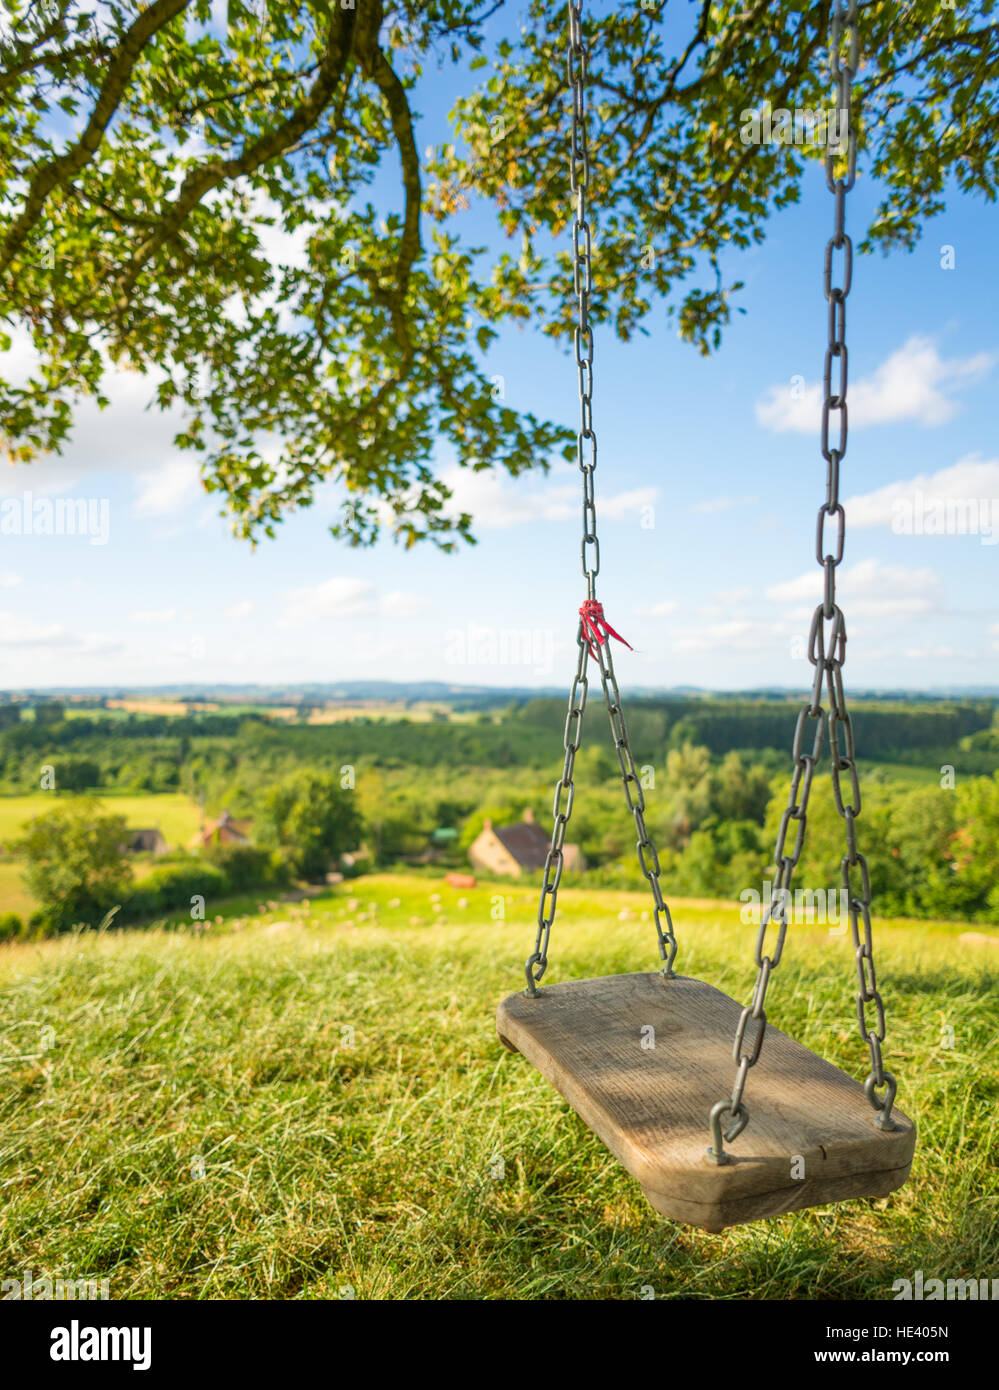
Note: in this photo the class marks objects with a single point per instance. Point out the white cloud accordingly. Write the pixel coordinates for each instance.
(497, 503)
(169, 487)
(735, 634)
(868, 589)
(969, 478)
(618, 505)
(130, 438)
(805, 587)
(343, 597)
(16, 631)
(722, 504)
(658, 610)
(940, 653)
(401, 604)
(243, 609)
(154, 615)
(10, 581)
(914, 383)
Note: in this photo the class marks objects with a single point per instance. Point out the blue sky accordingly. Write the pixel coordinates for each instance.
(708, 483)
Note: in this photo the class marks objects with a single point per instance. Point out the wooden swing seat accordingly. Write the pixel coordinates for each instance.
(811, 1137)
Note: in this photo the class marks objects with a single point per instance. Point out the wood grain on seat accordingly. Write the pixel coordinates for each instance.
(649, 1104)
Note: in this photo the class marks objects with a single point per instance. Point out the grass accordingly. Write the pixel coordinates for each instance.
(14, 897)
(196, 1123)
(902, 777)
(176, 815)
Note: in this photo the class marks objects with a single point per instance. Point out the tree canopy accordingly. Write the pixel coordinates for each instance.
(74, 865)
(235, 203)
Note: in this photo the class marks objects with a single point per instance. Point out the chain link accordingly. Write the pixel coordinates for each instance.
(826, 653)
(537, 962)
(841, 744)
(582, 279)
(586, 453)
(634, 796)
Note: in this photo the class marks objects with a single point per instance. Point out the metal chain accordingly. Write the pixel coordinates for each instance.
(579, 182)
(586, 455)
(841, 747)
(648, 856)
(826, 652)
(537, 962)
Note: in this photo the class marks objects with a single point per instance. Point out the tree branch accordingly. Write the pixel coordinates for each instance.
(401, 118)
(270, 79)
(205, 177)
(77, 156)
(94, 49)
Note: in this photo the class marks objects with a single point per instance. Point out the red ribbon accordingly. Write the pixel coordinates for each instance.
(596, 628)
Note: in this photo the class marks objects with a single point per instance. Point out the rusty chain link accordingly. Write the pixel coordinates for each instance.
(826, 653)
(586, 454)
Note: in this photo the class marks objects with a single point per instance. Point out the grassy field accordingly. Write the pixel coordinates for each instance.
(176, 815)
(14, 897)
(184, 1114)
(331, 712)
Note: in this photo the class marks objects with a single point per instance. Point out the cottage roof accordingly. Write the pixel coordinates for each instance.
(526, 841)
(145, 838)
(225, 830)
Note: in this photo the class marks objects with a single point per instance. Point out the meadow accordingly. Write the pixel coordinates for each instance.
(173, 813)
(310, 1102)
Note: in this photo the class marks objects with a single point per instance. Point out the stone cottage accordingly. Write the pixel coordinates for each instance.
(518, 849)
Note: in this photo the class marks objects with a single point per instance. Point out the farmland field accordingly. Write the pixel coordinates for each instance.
(312, 1103)
(14, 897)
(176, 815)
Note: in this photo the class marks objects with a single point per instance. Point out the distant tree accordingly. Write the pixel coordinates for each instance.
(74, 863)
(974, 848)
(399, 819)
(740, 790)
(597, 762)
(311, 816)
(683, 731)
(11, 926)
(917, 877)
(50, 712)
(76, 774)
(689, 783)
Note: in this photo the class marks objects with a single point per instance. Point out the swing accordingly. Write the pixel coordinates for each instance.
(644, 1058)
